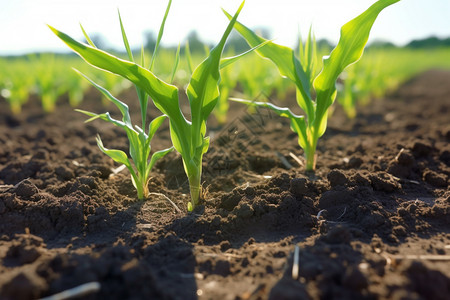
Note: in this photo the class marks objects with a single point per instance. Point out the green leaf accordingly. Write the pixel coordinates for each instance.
(160, 34)
(86, 36)
(125, 39)
(120, 157)
(229, 60)
(156, 156)
(154, 125)
(203, 88)
(165, 96)
(120, 105)
(190, 64)
(105, 117)
(354, 36)
(156, 88)
(284, 58)
(175, 66)
(298, 124)
(117, 155)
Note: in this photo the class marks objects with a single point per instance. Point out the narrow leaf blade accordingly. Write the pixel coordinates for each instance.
(160, 34)
(354, 36)
(125, 39)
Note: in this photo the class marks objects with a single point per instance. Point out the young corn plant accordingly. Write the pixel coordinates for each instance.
(188, 137)
(354, 36)
(139, 139)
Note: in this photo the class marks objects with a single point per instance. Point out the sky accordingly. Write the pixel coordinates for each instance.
(23, 22)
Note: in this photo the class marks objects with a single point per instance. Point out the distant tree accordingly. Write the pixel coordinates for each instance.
(380, 44)
(324, 45)
(430, 42)
(236, 43)
(195, 44)
(264, 32)
(149, 41)
(98, 40)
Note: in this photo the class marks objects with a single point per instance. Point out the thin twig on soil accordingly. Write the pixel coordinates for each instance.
(297, 159)
(345, 210)
(74, 162)
(256, 176)
(118, 169)
(320, 213)
(167, 198)
(283, 160)
(421, 257)
(295, 266)
(227, 255)
(79, 291)
(5, 187)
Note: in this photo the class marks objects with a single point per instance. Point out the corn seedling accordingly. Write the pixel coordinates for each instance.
(354, 36)
(139, 139)
(188, 137)
(227, 85)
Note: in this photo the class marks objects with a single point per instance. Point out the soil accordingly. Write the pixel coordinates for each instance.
(373, 222)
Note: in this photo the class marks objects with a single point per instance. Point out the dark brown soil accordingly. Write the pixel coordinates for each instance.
(372, 223)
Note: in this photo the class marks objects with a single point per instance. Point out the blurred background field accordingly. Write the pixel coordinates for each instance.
(49, 76)
(410, 38)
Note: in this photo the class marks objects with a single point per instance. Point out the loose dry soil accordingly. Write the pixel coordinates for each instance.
(373, 222)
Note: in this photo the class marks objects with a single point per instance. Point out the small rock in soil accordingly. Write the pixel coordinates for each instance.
(230, 201)
(421, 149)
(299, 186)
(354, 279)
(287, 288)
(22, 254)
(335, 198)
(399, 230)
(384, 182)
(64, 173)
(354, 162)
(405, 157)
(435, 179)
(445, 157)
(336, 177)
(338, 235)
(26, 189)
(430, 284)
(224, 246)
(25, 285)
(244, 211)
(222, 267)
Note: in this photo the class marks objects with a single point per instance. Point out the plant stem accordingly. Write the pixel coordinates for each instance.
(310, 155)
(195, 188)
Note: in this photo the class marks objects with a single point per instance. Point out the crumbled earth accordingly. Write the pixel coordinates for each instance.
(373, 222)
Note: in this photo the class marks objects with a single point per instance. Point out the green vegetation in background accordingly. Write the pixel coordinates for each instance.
(384, 69)
(16, 82)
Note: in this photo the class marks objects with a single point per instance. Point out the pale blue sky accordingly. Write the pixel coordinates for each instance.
(22, 22)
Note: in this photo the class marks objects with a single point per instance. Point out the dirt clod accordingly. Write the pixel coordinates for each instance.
(376, 206)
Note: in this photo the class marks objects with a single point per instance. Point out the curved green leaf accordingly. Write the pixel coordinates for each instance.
(156, 156)
(160, 34)
(120, 105)
(298, 123)
(165, 96)
(284, 58)
(354, 36)
(203, 89)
